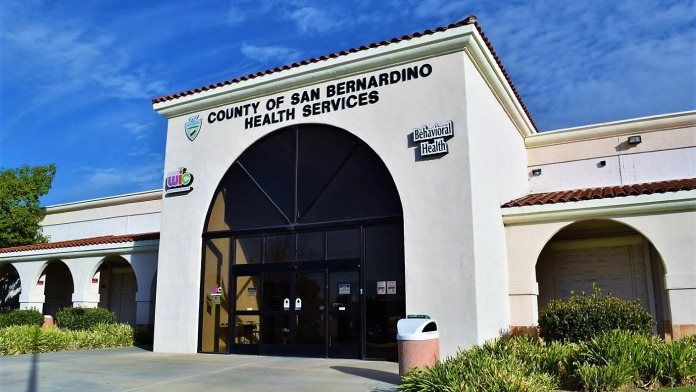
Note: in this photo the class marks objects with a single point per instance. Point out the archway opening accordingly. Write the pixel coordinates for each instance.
(612, 255)
(303, 250)
(10, 287)
(117, 288)
(58, 287)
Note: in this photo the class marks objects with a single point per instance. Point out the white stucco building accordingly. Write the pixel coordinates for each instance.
(309, 207)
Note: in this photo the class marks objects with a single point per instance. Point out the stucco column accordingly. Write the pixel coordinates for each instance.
(681, 292)
(524, 245)
(32, 282)
(83, 269)
(524, 310)
(142, 309)
(144, 266)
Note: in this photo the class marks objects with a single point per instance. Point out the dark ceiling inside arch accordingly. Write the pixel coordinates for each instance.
(307, 174)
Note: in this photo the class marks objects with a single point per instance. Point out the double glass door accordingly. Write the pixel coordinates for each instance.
(308, 312)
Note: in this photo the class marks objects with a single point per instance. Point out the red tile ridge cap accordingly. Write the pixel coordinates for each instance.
(469, 20)
(646, 188)
(108, 239)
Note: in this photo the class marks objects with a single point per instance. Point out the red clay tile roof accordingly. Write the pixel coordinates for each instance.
(470, 20)
(109, 239)
(602, 193)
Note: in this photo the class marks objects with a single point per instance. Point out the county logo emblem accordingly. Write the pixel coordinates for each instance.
(193, 127)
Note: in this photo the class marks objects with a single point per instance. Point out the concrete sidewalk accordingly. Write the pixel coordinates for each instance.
(134, 369)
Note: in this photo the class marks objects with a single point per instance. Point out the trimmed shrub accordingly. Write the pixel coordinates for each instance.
(583, 317)
(610, 361)
(21, 317)
(680, 362)
(608, 377)
(495, 366)
(19, 339)
(652, 361)
(26, 339)
(77, 319)
(53, 339)
(103, 336)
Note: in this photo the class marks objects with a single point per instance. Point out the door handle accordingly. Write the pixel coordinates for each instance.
(298, 304)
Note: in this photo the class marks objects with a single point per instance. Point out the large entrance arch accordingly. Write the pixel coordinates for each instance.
(612, 255)
(303, 250)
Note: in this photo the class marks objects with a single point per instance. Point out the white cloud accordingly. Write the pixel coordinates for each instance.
(274, 54)
(102, 180)
(60, 57)
(139, 131)
(314, 20)
(235, 15)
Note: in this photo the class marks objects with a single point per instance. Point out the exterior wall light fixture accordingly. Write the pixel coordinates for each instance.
(633, 140)
(536, 172)
(601, 163)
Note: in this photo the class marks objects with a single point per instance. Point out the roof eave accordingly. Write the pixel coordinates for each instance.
(615, 128)
(101, 250)
(601, 208)
(459, 39)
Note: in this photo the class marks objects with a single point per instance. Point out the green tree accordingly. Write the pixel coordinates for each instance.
(20, 213)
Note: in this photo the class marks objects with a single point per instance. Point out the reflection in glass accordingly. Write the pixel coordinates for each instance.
(247, 329)
(279, 248)
(310, 246)
(248, 295)
(310, 289)
(276, 330)
(344, 329)
(214, 314)
(248, 250)
(344, 288)
(309, 329)
(383, 262)
(343, 244)
(276, 290)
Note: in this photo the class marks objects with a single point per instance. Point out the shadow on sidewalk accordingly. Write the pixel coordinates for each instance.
(33, 372)
(373, 374)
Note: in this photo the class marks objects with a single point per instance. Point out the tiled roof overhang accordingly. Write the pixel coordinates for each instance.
(109, 239)
(470, 20)
(603, 192)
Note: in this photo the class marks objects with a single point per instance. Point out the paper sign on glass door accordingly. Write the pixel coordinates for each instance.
(391, 287)
(381, 287)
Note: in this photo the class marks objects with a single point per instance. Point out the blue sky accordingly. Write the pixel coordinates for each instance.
(77, 76)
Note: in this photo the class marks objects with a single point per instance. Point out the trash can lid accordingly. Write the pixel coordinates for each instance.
(417, 329)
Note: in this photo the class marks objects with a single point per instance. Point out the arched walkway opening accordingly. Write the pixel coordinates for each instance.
(117, 288)
(303, 250)
(58, 287)
(612, 255)
(10, 287)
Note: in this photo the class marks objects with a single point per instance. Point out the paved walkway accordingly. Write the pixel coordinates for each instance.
(134, 369)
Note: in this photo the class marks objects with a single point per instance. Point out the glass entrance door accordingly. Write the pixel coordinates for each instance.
(344, 314)
(294, 313)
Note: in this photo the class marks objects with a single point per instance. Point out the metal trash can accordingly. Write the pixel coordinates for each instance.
(418, 341)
